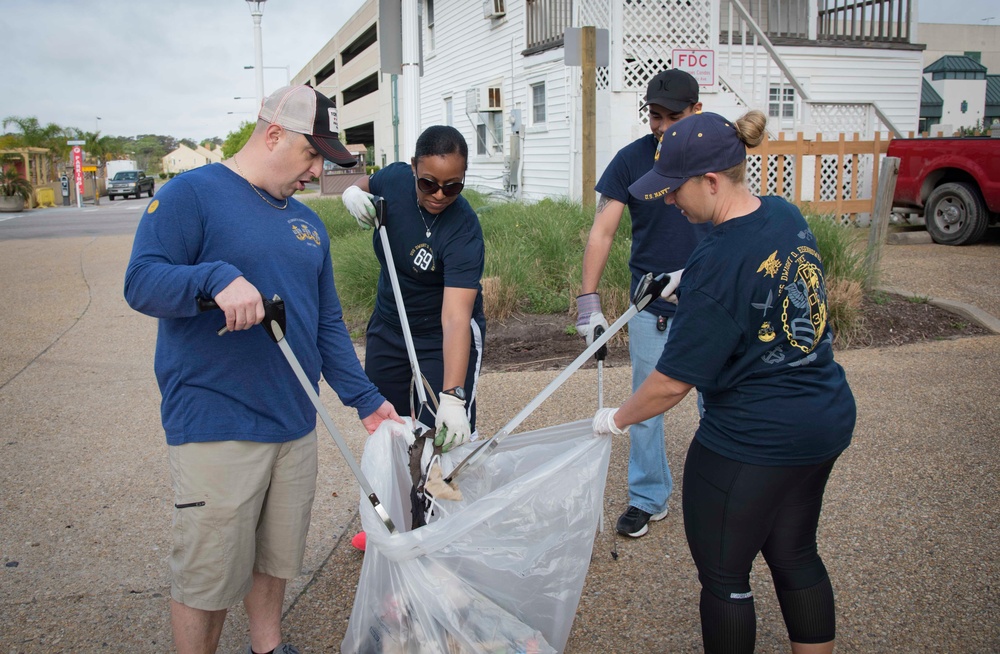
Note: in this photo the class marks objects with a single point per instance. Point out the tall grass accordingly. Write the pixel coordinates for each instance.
(534, 254)
(842, 250)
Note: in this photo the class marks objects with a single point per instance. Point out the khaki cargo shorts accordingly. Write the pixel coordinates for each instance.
(239, 507)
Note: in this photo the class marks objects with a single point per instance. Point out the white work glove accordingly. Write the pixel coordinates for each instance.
(452, 423)
(670, 290)
(588, 312)
(359, 204)
(604, 423)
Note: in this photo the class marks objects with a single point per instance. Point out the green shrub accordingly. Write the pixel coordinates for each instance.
(842, 251)
(534, 254)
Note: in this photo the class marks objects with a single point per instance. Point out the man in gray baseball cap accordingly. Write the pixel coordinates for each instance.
(240, 429)
(305, 110)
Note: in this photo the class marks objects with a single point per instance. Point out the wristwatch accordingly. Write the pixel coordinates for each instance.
(458, 392)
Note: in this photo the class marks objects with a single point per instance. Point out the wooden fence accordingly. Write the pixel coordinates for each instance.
(853, 195)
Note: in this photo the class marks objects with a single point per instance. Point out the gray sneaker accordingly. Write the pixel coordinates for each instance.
(283, 648)
(635, 522)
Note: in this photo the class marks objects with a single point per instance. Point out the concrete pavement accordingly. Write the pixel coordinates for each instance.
(909, 531)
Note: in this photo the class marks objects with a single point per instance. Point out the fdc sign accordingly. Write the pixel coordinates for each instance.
(700, 63)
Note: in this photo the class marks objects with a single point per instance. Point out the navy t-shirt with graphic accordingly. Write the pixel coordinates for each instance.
(453, 255)
(752, 334)
(662, 238)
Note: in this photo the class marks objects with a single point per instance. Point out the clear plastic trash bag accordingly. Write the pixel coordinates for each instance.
(502, 569)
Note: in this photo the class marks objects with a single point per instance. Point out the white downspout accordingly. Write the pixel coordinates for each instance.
(410, 96)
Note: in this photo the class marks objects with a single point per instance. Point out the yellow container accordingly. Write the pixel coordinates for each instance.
(45, 197)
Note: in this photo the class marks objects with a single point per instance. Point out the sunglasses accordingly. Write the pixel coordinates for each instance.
(430, 187)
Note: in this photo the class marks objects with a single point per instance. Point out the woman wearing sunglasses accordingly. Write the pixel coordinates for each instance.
(437, 248)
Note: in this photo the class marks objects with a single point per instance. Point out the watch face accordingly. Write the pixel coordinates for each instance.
(458, 392)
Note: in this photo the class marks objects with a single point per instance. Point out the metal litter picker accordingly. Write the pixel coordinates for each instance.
(274, 325)
(649, 288)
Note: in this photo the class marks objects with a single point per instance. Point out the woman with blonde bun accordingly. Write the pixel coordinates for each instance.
(751, 333)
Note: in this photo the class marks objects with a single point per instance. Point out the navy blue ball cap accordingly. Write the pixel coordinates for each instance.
(695, 145)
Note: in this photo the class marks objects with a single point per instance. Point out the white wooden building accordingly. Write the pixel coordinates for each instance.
(495, 70)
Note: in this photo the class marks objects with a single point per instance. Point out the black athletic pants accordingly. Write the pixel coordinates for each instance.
(387, 364)
(734, 510)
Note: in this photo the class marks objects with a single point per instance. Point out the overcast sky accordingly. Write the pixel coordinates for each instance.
(173, 67)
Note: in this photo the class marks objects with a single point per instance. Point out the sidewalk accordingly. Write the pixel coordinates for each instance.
(909, 531)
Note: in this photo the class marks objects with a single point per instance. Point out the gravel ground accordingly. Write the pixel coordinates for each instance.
(909, 531)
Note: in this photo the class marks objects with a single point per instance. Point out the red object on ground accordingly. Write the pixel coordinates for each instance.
(359, 541)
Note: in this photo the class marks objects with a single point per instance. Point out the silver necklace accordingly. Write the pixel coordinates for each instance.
(259, 194)
(421, 212)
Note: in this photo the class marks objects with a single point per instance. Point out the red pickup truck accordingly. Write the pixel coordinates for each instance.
(953, 182)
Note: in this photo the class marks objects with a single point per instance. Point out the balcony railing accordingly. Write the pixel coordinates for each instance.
(869, 21)
(865, 20)
(546, 22)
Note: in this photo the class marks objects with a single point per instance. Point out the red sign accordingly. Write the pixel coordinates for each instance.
(700, 63)
(78, 171)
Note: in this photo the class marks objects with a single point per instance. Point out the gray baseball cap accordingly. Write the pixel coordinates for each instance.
(305, 110)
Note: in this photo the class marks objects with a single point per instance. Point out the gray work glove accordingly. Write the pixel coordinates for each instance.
(359, 204)
(588, 311)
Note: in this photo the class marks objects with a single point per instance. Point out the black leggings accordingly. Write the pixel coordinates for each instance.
(734, 510)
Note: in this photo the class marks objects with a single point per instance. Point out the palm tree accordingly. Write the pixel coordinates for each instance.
(31, 134)
(100, 148)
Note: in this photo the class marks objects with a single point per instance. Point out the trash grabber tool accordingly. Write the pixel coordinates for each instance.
(649, 289)
(411, 352)
(274, 324)
(600, 356)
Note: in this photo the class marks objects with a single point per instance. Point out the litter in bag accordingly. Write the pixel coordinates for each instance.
(500, 570)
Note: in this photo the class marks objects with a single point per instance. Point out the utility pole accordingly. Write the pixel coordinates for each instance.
(588, 142)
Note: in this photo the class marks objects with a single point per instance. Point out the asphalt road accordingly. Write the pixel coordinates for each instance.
(109, 218)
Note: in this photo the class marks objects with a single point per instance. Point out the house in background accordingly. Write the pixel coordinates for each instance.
(184, 158)
(957, 66)
(960, 85)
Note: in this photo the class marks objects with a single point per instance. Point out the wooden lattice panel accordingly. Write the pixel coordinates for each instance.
(652, 28)
(780, 176)
(598, 14)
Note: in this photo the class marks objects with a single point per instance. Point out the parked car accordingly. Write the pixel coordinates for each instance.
(954, 183)
(130, 182)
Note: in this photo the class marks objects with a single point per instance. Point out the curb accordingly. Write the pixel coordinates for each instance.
(973, 313)
(922, 237)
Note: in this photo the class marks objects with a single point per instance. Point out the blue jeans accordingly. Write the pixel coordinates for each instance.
(649, 479)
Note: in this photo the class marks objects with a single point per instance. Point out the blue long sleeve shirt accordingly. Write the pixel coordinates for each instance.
(204, 229)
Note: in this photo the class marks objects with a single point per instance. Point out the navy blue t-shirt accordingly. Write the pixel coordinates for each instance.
(453, 255)
(752, 334)
(662, 238)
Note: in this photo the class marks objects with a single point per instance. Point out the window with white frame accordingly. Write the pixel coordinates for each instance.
(429, 15)
(449, 112)
(538, 103)
(781, 102)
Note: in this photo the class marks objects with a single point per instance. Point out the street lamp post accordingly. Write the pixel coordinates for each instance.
(288, 72)
(256, 11)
